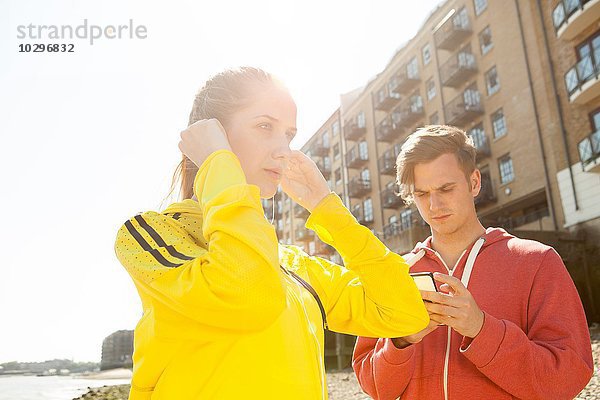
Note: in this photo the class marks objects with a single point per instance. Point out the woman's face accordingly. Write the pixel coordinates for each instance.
(260, 135)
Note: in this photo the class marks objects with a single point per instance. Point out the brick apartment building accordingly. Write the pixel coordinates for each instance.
(522, 78)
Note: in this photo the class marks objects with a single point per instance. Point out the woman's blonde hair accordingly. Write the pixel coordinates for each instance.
(220, 97)
(427, 144)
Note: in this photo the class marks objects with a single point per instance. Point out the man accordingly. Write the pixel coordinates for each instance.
(509, 323)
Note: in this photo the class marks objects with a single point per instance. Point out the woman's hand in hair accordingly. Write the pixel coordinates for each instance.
(203, 138)
(303, 181)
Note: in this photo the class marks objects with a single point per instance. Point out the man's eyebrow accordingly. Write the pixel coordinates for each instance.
(274, 120)
(445, 185)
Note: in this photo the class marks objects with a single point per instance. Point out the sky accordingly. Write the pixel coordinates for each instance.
(89, 138)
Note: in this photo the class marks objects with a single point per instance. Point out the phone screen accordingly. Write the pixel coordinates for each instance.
(424, 281)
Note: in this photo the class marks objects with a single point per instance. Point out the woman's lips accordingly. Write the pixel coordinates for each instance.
(274, 174)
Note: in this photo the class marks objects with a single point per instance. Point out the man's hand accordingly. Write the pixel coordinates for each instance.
(457, 309)
(406, 341)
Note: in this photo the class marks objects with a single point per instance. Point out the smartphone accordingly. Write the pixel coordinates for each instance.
(424, 281)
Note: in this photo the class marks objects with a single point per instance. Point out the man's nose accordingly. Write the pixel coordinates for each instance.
(435, 202)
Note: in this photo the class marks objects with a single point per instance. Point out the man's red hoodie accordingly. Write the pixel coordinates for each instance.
(534, 343)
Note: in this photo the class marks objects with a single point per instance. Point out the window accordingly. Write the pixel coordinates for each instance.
(507, 173)
(492, 81)
(485, 40)
(368, 210)
(412, 69)
(434, 118)
(480, 6)
(426, 54)
(365, 175)
(430, 89)
(478, 135)
(335, 128)
(311, 247)
(327, 162)
(325, 138)
(406, 219)
(393, 219)
(416, 103)
(336, 151)
(338, 176)
(499, 124)
(360, 120)
(363, 150)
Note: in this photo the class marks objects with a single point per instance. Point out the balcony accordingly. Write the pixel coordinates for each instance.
(358, 187)
(452, 30)
(458, 68)
(353, 130)
(355, 158)
(360, 216)
(300, 212)
(589, 152)
(325, 169)
(389, 199)
(387, 130)
(582, 79)
(464, 107)
(304, 235)
(387, 162)
(409, 226)
(482, 146)
(571, 17)
(405, 80)
(319, 148)
(486, 194)
(384, 98)
(408, 112)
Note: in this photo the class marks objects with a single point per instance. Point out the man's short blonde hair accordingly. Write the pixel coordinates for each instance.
(427, 144)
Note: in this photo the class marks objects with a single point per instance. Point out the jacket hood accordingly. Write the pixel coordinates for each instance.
(491, 236)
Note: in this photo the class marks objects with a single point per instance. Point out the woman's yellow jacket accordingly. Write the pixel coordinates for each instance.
(222, 317)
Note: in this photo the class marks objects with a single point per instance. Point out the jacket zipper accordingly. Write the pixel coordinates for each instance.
(312, 291)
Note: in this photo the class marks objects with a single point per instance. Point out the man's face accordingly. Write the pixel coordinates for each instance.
(443, 195)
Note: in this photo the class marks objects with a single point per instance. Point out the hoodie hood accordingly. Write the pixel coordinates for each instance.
(491, 236)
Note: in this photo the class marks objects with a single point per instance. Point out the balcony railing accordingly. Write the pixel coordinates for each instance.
(464, 107)
(487, 194)
(303, 234)
(589, 152)
(390, 199)
(453, 30)
(387, 130)
(319, 148)
(385, 98)
(406, 79)
(408, 112)
(356, 158)
(582, 80)
(324, 168)
(458, 68)
(482, 146)
(387, 162)
(360, 216)
(354, 131)
(571, 17)
(300, 212)
(358, 187)
(398, 227)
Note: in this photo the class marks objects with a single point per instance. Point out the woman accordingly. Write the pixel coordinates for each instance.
(229, 313)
